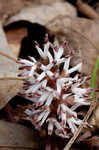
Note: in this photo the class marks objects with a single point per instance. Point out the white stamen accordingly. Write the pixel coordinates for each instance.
(66, 64)
(50, 74)
(60, 52)
(32, 99)
(39, 117)
(50, 128)
(33, 88)
(71, 125)
(41, 76)
(59, 61)
(36, 112)
(41, 53)
(76, 68)
(50, 57)
(58, 126)
(58, 110)
(75, 106)
(42, 99)
(45, 117)
(59, 88)
(49, 100)
(49, 89)
(46, 48)
(44, 83)
(65, 108)
(78, 121)
(63, 117)
(79, 91)
(28, 112)
(33, 59)
(26, 62)
(65, 96)
(32, 71)
(80, 100)
(57, 132)
(49, 66)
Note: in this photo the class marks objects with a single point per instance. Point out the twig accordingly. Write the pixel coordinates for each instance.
(9, 57)
(15, 78)
(18, 146)
(71, 141)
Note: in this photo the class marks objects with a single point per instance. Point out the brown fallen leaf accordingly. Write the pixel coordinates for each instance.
(15, 33)
(41, 2)
(43, 13)
(87, 134)
(16, 28)
(86, 10)
(92, 143)
(96, 7)
(18, 137)
(8, 69)
(83, 39)
(10, 7)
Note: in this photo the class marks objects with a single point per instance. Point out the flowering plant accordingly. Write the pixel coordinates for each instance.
(55, 92)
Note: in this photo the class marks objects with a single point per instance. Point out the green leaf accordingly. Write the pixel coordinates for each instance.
(94, 77)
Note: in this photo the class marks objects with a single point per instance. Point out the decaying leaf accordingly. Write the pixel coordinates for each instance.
(14, 37)
(18, 137)
(43, 13)
(8, 68)
(35, 14)
(10, 7)
(82, 35)
(92, 143)
(86, 10)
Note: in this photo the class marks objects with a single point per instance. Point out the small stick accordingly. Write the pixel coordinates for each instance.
(18, 146)
(9, 57)
(15, 78)
(71, 141)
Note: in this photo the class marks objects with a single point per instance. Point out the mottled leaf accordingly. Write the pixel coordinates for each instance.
(18, 137)
(8, 68)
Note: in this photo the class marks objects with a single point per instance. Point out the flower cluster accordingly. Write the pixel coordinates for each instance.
(54, 91)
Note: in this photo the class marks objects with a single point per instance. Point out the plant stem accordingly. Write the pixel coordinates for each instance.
(94, 77)
(71, 141)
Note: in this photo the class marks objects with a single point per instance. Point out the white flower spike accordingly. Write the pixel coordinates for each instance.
(54, 92)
